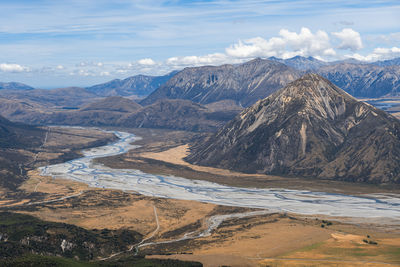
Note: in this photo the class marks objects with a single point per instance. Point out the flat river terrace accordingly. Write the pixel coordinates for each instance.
(370, 206)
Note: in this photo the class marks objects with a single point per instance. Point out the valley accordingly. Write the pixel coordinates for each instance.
(188, 174)
(73, 202)
(199, 133)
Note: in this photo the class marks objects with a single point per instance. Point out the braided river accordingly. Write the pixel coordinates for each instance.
(273, 199)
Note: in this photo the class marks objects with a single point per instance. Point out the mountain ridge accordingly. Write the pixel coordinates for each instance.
(310, 128)
(244, 83)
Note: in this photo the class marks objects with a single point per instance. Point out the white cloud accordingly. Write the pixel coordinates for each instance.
(210, 59)
(146, 62)
(90, 64)
(350, 39)
(289, 44)
(6, 67)
(82, 72)
(379, 53)
(286, 44)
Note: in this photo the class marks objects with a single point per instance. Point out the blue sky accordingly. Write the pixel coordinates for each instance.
(47, 43)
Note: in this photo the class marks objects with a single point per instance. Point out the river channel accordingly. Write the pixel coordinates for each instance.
(273, 199)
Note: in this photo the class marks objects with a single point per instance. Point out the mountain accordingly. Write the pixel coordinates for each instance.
(363, 80)
(301, 63)
(20, 110)
(18, 135)
(389, 62)
(113, 103)
(139, 85)
(16, 142)
(174, 114)
(178, 114)
(15, 86)
(104, 112)
(244, 83)
(310, 128)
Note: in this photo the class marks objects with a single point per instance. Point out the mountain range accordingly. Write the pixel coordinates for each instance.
(248, 82)
(310, 128)
(244, 83)
(227, 87)
(364, 80)
(139, 85)
(175, 114)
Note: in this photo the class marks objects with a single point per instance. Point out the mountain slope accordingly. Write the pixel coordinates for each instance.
(139, 85)
(16, 141)
(244, 83)
(18, 135)
(364, 80)
(310, 128)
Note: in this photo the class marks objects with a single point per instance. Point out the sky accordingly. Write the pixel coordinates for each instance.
(56, 43)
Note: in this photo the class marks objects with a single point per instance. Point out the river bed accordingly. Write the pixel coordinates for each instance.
(273, 199)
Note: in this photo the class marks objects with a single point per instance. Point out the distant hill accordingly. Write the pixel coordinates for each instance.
(310, 128)
(113, 103)
(139, 85)
(178, 114)
(15, 86)
(174, 114)
(105, 112)
(61, 97)
(244, 83)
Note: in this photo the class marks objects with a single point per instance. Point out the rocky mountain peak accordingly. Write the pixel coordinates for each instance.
(309, 128)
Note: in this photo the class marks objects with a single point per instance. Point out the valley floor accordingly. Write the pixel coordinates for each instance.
(261, 240)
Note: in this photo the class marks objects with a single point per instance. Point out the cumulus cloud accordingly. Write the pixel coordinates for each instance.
(350, 39)
(379, 53)
(319, 44)
(289, 44)
(6, 67)
(146, 62)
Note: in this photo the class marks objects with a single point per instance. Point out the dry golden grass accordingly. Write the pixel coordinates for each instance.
(175, 156)
(273, 240)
